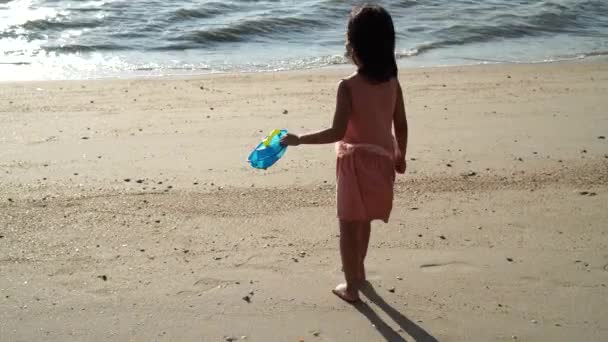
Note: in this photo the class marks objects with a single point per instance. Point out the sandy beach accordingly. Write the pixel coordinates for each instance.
(128, 211)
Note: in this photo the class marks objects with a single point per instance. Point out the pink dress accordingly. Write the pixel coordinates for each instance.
(365, 168)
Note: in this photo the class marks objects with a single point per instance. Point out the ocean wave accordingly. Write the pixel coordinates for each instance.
(595, 54)
(15, 63)
(42, 25)
(90, 6)
(80, 48)
(553, 19)
(17, 34)
(406, 3)
(416, 50)
(207, 10)
(244, 30)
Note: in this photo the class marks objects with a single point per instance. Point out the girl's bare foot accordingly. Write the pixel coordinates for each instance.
(342, 292)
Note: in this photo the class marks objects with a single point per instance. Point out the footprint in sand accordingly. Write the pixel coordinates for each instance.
(454, 266)
(202, 285)
(208, 282)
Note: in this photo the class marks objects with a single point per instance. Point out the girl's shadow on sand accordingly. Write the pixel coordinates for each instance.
(411, 328)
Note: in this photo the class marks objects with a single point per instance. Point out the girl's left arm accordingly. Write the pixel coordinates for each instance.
(338, 128)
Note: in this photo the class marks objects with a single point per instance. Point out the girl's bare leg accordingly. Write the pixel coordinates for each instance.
(363, 234)
(351, 261)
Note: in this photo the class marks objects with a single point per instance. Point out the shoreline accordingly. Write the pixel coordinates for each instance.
(597, 58)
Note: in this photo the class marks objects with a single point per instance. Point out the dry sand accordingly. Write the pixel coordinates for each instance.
(128, 212)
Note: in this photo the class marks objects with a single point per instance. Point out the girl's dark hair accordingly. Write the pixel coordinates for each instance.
(371, 35)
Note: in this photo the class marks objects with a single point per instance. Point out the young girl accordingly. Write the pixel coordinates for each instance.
(369, 105)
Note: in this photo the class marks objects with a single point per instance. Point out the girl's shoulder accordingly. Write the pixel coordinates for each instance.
(350, 79)
(357, 80)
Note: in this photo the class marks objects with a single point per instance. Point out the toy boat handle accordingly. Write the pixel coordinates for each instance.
(272, 135)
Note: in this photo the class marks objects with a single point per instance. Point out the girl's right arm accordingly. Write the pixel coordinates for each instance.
(400, 124)
(336, 131)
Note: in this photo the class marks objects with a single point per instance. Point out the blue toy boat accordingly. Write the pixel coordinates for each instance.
(269, 151)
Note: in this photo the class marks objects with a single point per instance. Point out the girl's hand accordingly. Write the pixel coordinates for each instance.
(290, 140)
(400, 165)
